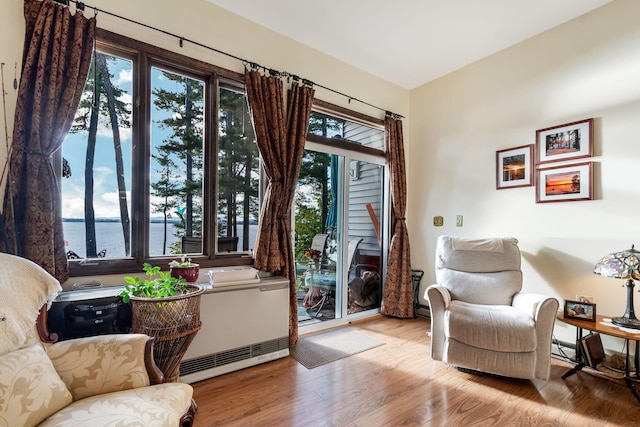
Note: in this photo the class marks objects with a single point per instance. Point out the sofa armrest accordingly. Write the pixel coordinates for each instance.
(102, 364)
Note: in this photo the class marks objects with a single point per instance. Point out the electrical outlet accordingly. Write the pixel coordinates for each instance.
(459, 221)
(585, 298)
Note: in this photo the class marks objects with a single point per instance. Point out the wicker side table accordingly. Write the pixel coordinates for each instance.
(173, 322)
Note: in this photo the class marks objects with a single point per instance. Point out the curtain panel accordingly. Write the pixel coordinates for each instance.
(55, 64)
(281, 138)
(397, 297)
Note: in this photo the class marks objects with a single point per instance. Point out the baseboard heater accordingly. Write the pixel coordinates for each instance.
(242, 325)
(212, 365)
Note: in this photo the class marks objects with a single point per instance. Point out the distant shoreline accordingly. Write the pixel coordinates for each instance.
(154, 220)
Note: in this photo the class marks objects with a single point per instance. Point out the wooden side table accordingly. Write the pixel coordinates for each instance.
(582, 325)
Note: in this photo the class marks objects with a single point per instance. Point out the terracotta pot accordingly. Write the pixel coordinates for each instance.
(190, 273)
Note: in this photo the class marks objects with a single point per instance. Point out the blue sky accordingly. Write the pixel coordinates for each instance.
(106, 204)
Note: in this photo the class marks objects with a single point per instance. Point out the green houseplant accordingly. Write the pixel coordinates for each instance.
(162, 286)
(168, 309)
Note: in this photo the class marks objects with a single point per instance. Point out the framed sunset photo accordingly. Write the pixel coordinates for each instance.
(514, 167)
(567, 183)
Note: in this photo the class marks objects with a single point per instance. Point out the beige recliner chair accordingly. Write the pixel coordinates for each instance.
(479, 318)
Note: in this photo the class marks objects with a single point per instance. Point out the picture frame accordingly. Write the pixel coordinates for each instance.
(565, 142)
(514, 167)
(565, 183)
(579, 310)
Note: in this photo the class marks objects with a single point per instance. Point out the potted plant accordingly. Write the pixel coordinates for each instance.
(167, 308)
(185, 269)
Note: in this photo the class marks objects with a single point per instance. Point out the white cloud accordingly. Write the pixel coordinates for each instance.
(124, 76)
(105, 132)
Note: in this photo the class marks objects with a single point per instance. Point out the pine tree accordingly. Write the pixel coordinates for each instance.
(102, 100)
(185, 143)
(237, 159)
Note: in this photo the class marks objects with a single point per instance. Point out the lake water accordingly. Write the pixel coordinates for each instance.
(109, 238)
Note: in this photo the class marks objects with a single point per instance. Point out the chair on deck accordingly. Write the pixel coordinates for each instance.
(314, 297)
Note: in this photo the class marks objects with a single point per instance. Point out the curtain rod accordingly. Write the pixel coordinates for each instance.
(81, 6)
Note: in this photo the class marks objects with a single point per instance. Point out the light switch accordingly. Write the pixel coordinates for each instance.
(438, 221)
(459, 221)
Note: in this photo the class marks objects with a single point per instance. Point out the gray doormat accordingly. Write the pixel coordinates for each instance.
(318, 349)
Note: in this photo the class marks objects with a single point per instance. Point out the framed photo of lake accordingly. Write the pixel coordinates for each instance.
(565, 142)
(514, 167)
(566, 183)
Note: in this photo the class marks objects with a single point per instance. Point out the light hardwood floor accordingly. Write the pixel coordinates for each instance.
(397, 384)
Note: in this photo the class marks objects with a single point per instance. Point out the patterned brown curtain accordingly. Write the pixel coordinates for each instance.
(55, 64)
(281, 140)
(397, 297)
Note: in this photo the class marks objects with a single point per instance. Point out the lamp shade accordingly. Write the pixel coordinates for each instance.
(620, 265)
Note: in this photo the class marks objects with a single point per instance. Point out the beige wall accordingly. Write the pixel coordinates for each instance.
(589, 67)
(11, 40)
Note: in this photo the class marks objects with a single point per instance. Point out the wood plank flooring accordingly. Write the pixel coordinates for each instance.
(397, 384)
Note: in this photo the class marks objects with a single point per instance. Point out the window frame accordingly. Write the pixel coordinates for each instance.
(144, 57)
(337, 111)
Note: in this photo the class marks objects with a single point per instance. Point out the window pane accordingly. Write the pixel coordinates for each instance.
(334, 127)
(177, 135)
(366, 184)
(238, 174)
(96, 181)
(318, 247)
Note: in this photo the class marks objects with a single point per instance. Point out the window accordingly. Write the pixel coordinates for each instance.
(161, 160)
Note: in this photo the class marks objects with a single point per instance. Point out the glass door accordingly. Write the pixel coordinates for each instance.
(338, 237)
(339, 216)
(318, 238)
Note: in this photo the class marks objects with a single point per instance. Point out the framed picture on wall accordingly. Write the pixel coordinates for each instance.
(514, 167)
(565, 142)
(566, 183)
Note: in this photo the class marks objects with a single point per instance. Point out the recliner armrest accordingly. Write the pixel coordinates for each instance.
(101, 364)
(531, 303)
(438, 295)
(439, 299)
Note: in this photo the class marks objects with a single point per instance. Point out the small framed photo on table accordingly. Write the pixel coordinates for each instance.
(579, 310)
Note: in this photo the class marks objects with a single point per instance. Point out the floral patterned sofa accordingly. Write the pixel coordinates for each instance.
(95, 381)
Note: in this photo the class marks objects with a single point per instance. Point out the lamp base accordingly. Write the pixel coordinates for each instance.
(626, 322)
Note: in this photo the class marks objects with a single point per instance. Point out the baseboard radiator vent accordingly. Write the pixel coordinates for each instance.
(209, 365)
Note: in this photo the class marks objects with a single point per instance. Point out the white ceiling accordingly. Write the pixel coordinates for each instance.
(409, 42)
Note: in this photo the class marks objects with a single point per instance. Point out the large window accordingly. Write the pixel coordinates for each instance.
(161, 160)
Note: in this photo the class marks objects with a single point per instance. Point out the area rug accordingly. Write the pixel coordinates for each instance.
(319, 349)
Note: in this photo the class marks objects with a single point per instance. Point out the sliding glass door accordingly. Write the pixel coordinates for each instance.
(338, 237)
(340, 215)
